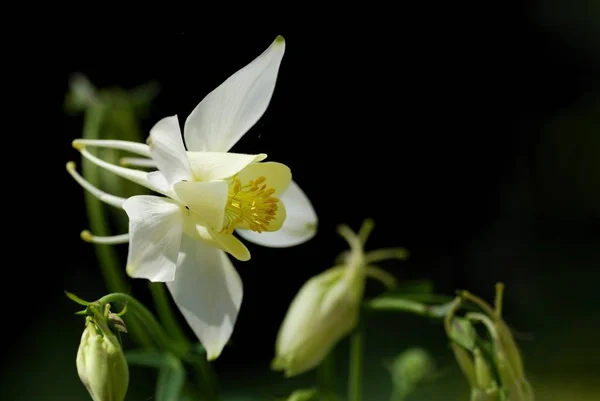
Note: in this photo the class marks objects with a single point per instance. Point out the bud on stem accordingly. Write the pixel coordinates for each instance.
(101, 364)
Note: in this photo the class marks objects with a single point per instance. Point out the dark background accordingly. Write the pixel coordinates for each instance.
(470, 136)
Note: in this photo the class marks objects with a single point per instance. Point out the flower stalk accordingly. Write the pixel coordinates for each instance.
(326, 377)
(355, 377)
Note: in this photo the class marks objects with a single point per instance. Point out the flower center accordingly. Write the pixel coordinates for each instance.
(250, 206)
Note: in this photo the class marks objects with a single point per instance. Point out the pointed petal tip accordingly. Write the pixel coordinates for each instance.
(71, 166)
(161, 278)
(314, 226)
(279, 39)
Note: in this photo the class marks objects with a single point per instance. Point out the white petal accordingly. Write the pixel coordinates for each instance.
(166, 147)
(208, 291)
(208, 166)
(155, 229)
(206, 200)
(300, 224)
(230, 110)
(159, 182)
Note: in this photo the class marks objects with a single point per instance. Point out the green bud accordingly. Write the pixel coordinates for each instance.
(411, 369)
(465, 361)
(483, 374)
(303, 395)
(463, 333)
(81, 94)
(101, 364)
(325, 310)
(517, 387)
(510, 348)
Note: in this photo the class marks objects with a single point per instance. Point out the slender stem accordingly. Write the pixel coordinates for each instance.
(481, 303)
(407, 305)
(115, 279)
(455, 305)
(486, 321)
(206, 380)
(165, 312)
(399, 304)
(499, 299)
(326, 376)
(356, 362)
(107, 257)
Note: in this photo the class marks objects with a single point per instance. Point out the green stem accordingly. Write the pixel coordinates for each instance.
(206, 380)
(499, 298)
(165, 313)
(481, 303)
(107, 257)
(410, 306)
(326, 376)
(114, 277)
(356, 362)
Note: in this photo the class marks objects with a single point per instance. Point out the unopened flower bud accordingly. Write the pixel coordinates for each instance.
(81, 94)
(101, 364)
(466, 363)
(509, 347)
(327, 307)
(325, 310)
(483, 375)
(517, 387)
(411, 369)
(303, 395)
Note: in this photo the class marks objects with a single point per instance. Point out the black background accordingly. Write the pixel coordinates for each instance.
(428, 122)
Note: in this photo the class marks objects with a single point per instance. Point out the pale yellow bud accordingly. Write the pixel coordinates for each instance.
(101, 364)
(325, 310)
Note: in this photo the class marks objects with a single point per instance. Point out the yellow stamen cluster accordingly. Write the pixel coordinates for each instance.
(250, 206)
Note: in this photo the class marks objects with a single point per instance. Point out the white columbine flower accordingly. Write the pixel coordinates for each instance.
(180, 237)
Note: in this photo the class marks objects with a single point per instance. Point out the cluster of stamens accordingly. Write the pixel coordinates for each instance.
(252, 204)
